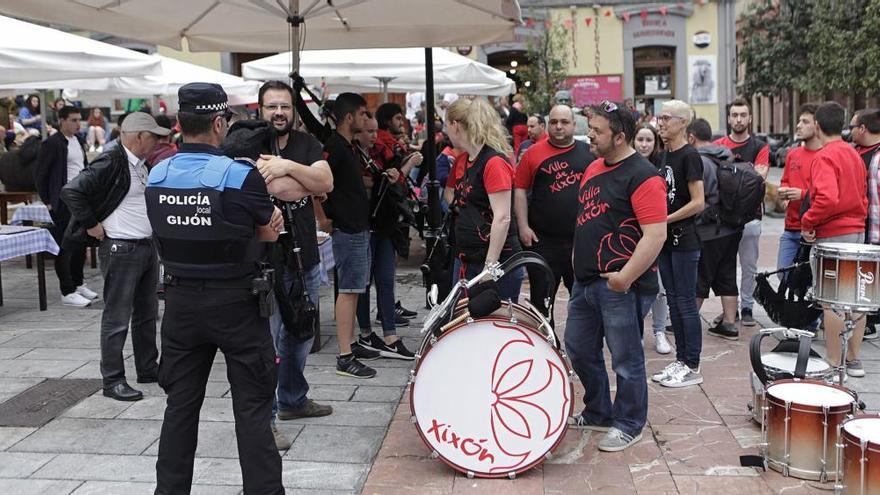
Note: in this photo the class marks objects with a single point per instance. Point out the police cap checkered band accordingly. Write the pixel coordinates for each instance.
(202, 98)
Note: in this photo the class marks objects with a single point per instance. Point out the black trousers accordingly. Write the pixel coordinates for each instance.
(71, 259)
(197, 322)
(558, 256)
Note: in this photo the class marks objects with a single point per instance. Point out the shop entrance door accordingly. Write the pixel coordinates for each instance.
(654, 68)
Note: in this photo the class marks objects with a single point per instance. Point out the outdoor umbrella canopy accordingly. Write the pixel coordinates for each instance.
(262, 25)
(174, 74)
(397, 70)
(29, 52)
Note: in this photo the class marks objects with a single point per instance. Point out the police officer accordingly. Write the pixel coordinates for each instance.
(209, 214)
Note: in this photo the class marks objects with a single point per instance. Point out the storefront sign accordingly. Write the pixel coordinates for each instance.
(590, 90)
(652, 26)
(702, 39)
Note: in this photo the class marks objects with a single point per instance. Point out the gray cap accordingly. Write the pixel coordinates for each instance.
(143, 122)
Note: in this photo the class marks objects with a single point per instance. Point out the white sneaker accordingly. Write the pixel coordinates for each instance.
(661, 343)
(76, 300)
(100, 149)
(87, 293)
(667, 371)
(92, 148)
(683, 377)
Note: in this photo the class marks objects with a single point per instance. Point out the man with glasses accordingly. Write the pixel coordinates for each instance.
(864, 132)
(620, 229)
(545, 200)
(298, 156)
(746, 148)
(107, 206)
(209, 214)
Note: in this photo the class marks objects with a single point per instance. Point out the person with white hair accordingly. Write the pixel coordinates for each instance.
(679, 260)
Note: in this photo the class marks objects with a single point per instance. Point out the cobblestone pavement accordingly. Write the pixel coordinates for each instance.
(692, 444)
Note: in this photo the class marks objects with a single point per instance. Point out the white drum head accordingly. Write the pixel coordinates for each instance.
(786, 361)
(809, 394)
(864, 429)
(492, 398)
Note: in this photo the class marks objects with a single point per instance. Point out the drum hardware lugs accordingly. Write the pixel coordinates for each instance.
(511, 475)
(823, 474)
(786, 453)
(413, 419)
(470, 475)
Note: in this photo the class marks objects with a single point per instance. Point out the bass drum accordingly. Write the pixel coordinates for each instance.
(492, 397)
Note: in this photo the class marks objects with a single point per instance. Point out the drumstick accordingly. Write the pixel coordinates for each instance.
(462, 317)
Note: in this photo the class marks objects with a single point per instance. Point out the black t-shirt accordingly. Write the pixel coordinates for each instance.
(304, 149)
(678, 168)
(347, 204)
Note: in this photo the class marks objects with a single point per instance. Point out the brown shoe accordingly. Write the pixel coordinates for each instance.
(311, 410)
(281, 440)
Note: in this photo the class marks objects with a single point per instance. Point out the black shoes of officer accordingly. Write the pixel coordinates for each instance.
(350, 366)
(122, 391)
(409, 315)
(311, 410)
(394, 351)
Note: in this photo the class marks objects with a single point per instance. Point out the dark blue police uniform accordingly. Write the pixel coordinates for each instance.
(204, 209)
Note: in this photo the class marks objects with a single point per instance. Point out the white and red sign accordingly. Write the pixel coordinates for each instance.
(492, 398)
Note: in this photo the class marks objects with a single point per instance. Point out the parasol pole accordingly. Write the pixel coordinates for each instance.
(295, 21)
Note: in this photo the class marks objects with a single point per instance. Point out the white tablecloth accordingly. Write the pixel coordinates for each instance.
(34, 212)
(34, 240)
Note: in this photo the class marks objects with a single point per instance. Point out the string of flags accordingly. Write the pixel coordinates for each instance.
(569, 22)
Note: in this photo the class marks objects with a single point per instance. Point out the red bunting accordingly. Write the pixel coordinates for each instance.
(663, 10)
(567, 23)
(588, 20)
(626, 17)
(644, 14)
(530, 22)
(608, 13)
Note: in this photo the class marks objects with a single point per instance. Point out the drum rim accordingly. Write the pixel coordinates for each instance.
(537, 462)
(850, 438)
(793, 355)
(871, 253)
(800, 407)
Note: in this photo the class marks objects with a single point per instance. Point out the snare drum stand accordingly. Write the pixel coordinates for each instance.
(849, 325)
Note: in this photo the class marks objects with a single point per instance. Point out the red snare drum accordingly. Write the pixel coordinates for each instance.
(801, 419)
(492, 397)
(859, 445)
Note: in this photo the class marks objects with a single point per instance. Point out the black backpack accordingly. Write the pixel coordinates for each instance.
(740, 193)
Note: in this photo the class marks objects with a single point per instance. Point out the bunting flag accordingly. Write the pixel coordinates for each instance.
(588, 21)
(530, 22)
(626, 17)
(568, 23)
(643, 14)
(663, 10)
(608, 13)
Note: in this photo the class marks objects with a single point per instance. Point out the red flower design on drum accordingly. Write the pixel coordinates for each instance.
(517, 411)
(616, 248)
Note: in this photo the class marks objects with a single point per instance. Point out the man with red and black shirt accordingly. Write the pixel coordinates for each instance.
(865, 133)
(620, 229)
(551, 170)
(746, 148)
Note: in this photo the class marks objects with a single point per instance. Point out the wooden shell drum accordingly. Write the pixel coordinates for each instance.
(800, 425)
(859, 447)
(847, 276)
(491, 397)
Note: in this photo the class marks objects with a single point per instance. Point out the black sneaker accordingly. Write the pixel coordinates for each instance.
(871, 332)
(746, 317)
(397, 351)
(669, 330)
(718, 319)
(725, 331)
(405, 312)
(350, 366)
(362, 352)
(371, 342)
(399, 320)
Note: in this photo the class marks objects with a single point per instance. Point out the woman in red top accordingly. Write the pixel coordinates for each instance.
(96, 130)
(485, 232)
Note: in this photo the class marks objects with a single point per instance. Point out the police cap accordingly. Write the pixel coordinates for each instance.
(202, 98)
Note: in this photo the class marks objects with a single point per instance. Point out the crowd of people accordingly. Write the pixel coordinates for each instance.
(629, 223)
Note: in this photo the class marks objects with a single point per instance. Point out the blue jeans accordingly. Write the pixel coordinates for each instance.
(678, 269)
(352, 255)
(508, 286)
(595, 312)
(292, 384)
(660, 310)
(789, 243)
(383, 264)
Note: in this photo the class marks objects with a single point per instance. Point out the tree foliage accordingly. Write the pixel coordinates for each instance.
(548, 57)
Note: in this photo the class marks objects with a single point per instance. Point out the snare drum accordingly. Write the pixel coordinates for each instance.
(859, 446)
(491, 397)
(800, 421)
(776, 365)
(847, 276)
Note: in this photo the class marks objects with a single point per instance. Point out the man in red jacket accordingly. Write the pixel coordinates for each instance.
(837, 192)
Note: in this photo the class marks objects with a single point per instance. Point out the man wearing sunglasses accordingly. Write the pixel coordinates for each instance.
(108, 209)
(620, 229)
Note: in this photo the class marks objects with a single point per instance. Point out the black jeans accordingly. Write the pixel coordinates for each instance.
(131, 272)
(197, 322)
(71, 259)
(558, 256)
